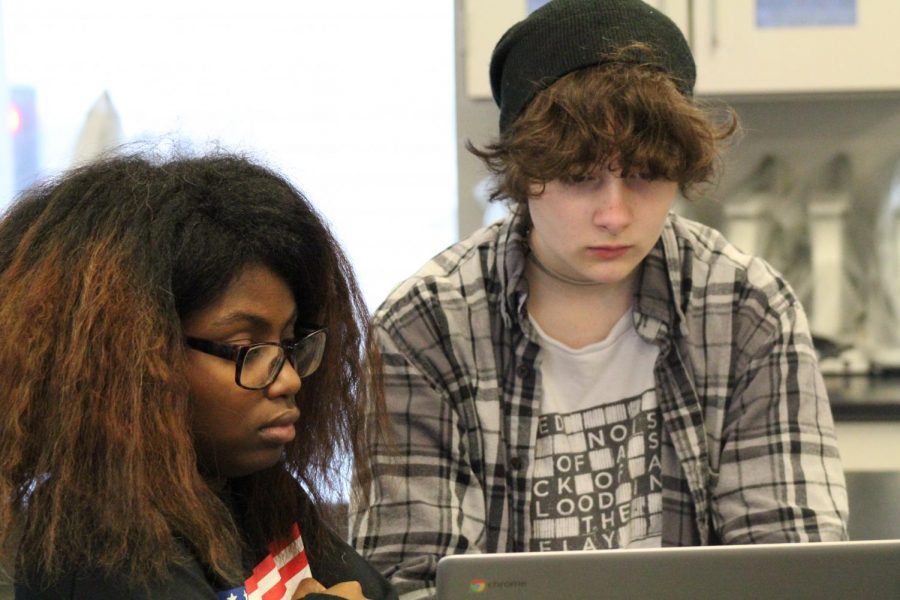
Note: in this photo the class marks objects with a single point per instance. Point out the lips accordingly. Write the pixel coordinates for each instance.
(281, 430)
(608, 252)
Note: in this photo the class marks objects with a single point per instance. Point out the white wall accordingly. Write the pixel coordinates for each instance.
(352, 99)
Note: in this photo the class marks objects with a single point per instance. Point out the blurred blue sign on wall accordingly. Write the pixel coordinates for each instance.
(25, 133)
(805, 13)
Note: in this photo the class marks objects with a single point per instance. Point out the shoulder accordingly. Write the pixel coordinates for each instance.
(710, 266)
(457, 279)
(727, 295)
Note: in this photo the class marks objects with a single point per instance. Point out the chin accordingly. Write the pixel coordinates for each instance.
(251, 465)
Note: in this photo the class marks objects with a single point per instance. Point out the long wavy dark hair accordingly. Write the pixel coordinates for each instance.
(618, 112)
(97, 271)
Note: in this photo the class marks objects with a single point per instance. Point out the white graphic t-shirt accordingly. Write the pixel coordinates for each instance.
(597, 480)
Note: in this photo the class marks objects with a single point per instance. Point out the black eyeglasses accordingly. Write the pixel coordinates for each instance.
(258, 365)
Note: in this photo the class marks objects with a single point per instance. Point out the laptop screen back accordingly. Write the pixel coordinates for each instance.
(824, 571)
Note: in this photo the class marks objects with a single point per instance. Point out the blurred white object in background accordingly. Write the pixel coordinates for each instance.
(101, 132)
(836, 271)
(749, 216)
(766, 217)
(884, 311)
(828, 210)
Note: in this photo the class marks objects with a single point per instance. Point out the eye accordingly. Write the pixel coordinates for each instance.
(646, 178)
(578, 178)
(254, 357)
(640, 175)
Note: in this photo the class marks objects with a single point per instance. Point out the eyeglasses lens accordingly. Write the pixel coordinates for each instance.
(308, 354)
(261, 365)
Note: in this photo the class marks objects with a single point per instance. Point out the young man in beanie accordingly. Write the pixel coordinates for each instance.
(593, 371)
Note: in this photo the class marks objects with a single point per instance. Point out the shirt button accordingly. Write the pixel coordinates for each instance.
(523, 371)
(515, 462)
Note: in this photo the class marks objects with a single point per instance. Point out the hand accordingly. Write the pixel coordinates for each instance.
(349, 590)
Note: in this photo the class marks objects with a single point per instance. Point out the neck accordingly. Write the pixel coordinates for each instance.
(576, 314)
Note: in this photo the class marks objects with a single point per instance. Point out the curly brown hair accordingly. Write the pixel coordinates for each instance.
(97, 271)
(618, 113)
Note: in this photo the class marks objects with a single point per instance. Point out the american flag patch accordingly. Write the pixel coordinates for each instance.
(277, 576)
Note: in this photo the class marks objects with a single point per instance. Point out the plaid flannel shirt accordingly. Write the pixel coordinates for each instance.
(750, 453)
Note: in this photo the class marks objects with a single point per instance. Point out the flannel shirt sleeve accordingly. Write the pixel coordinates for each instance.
(424, 501)
(780, 476)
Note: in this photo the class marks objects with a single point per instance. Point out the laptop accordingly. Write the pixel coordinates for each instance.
(824, 571)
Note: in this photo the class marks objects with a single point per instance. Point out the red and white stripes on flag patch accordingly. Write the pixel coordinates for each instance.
(280, 572)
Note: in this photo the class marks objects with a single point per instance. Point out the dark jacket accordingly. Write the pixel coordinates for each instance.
(332, 561)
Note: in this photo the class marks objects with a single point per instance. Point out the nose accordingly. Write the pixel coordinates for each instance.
(612, 208)
(286, 384)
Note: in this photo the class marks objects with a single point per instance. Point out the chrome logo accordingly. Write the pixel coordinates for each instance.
(477, 585)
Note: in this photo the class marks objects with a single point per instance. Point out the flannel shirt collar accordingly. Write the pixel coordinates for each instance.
(660, 298)
(512, 255)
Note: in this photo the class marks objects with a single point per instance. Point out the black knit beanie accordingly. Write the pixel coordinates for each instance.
(566, 35)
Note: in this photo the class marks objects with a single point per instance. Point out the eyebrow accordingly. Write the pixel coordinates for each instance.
(253, 320)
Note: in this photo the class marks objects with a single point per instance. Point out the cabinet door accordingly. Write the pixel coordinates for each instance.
(484, 21)
(796, 46)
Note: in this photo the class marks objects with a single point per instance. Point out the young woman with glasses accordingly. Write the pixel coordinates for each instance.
(184, 373)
